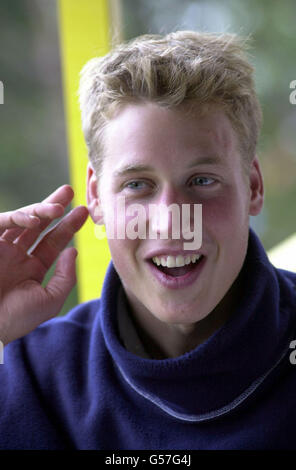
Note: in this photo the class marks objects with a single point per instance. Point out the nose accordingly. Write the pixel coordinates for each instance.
(171, 216)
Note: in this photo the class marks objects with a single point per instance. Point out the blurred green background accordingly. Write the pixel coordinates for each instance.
(34, 158)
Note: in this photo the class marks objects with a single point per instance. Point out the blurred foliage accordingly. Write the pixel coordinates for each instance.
(34, 158)
(271, 25)
(33, 146)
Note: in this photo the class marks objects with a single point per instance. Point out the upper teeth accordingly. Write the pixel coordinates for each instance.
(175, 261)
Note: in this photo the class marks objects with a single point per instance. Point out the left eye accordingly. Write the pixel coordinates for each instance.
(202, 181)
(135, 184)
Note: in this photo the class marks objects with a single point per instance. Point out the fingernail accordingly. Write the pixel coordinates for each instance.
(34, 217)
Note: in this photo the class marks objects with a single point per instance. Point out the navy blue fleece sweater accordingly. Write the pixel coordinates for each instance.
(71, 384)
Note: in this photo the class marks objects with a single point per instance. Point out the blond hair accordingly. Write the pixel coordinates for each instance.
(183, 67)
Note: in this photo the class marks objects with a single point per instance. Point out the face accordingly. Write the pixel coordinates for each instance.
(159, 156)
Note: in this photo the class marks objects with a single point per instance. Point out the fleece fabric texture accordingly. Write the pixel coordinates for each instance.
(71, 384)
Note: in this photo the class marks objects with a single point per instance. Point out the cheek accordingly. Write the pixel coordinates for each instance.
(226, 214)
(123, 253)
(120, 255)
(124, 220)
(114, 220)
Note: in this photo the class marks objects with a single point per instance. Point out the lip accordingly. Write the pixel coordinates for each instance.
(180, 282)
(171, 252)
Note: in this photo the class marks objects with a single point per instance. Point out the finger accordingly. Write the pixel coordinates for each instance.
(41, 304)
(46, 214)
(61, 196)
(47, 208)
(39, 211)
(51, 208)
(18, 218)
(63, 280)
(58, 238)
(26, 238)
(11, 234)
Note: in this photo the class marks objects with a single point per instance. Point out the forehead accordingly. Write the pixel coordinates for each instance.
(147, 131)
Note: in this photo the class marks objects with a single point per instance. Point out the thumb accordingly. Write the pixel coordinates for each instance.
(63, 279)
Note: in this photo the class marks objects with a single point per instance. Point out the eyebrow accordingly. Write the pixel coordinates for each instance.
(206, 160)
(132, 168)
(138, 167)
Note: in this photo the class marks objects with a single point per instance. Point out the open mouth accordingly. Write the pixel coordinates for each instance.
(177, 272)
(179, 266)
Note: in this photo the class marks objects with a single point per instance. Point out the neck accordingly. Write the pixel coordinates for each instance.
(162, 340)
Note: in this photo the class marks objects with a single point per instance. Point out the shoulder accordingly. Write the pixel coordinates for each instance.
(43, 380)
(79, 320)
(290, 275)
(287, 289)
(56, 340)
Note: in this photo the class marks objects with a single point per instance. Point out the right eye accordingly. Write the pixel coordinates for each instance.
(135, 185)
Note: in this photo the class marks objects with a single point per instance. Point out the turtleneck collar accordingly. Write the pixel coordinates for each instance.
(231, 364)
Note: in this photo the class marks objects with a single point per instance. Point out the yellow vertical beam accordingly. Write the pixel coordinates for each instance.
(84, 33)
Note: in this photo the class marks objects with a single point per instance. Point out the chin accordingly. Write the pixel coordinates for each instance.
(180, 314)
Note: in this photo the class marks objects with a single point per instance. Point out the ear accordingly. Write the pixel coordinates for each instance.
(92, 196)
(256, 188)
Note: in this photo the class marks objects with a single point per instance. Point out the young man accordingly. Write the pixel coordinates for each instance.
(186, 349)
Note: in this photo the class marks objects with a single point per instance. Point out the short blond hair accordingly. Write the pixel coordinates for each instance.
(183, 67)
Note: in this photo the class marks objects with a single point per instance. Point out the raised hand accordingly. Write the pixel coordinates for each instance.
(24, 302)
